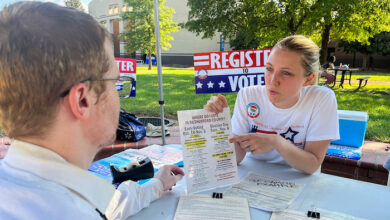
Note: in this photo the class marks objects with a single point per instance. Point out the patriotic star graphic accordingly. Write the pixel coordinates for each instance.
(289, 134)
(254, 129)
(222, 84)
(210, 85)
(199, 85)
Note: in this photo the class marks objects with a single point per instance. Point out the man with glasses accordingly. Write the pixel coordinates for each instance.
(59, 102)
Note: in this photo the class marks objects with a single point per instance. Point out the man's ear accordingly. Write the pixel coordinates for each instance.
(79, 100)
(309, 79)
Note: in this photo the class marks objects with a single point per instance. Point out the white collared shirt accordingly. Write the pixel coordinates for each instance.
(36, 183)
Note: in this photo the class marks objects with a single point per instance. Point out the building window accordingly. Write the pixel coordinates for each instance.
(113, 9)
(126, 8)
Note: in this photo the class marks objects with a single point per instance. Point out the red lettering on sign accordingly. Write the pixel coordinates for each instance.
(231, 59)
(126, 65)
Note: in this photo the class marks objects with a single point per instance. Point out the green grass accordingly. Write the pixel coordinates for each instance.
(371, 99)
(380, 77)
(179, 94)
(178, 89)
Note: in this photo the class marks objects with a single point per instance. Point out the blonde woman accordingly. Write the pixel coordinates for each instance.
(288, 120)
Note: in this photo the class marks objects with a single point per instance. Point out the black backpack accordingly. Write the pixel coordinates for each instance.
(129, 128)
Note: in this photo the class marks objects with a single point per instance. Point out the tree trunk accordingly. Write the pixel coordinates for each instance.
(150, 61)
(324, 43)
(354, 59)
(364, 64)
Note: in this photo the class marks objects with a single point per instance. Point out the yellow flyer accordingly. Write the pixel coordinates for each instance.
(209, 159)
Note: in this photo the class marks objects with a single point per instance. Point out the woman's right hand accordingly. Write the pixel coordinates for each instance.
(216, 104)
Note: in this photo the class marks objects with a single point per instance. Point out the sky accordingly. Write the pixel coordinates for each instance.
(60, 2)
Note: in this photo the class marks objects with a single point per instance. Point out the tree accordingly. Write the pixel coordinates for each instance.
(266, 21)
(249, 21)
(76, 4)
(139, 33)
(379, 44)
(349, 20)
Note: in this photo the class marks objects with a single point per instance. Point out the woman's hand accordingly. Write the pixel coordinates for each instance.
(216, 104)
(256, 143)
(307, 160)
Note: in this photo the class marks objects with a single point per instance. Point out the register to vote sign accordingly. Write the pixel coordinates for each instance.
(229, 71)
(127, 67)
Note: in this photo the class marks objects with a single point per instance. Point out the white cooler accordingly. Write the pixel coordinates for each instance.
(353, 125)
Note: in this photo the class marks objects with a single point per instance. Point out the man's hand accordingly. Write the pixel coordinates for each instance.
(169, 175)
(216, 104)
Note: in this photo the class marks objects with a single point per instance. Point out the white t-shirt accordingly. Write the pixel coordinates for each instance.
(312, 118)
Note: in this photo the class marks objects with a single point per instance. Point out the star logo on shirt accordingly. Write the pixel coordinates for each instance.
(222, 84)
(210, 85)
(289, 134)
(199, 85)
(254, 129)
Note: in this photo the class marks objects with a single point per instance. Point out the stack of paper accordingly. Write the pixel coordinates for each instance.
(266, 193)
(204, 207)
(290, 214)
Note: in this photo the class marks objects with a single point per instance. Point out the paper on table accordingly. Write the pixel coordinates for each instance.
(203, 207)
(209, 158)
(159, 155)
(266, 193)
(290, 214)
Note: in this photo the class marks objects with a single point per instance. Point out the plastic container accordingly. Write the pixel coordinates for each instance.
(353, 125)
(153, 61)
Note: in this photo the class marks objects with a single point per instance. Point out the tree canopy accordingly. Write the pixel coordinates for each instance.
(74, 4)
(263, 22)
(139, 33)
(379, 44)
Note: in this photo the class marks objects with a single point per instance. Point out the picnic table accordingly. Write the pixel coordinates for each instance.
(343, 73)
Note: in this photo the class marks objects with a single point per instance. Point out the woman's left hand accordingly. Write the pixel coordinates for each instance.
(257, 143)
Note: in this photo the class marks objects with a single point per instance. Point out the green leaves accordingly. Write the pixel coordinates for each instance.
(379, 44)
(263, 22)
(76, 4)
(139, 32)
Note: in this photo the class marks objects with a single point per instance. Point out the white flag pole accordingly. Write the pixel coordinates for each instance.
(159, 70)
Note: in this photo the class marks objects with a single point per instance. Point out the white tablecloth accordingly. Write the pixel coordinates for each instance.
(322, 191)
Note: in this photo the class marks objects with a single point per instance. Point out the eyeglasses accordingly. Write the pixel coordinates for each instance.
(124, 86)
